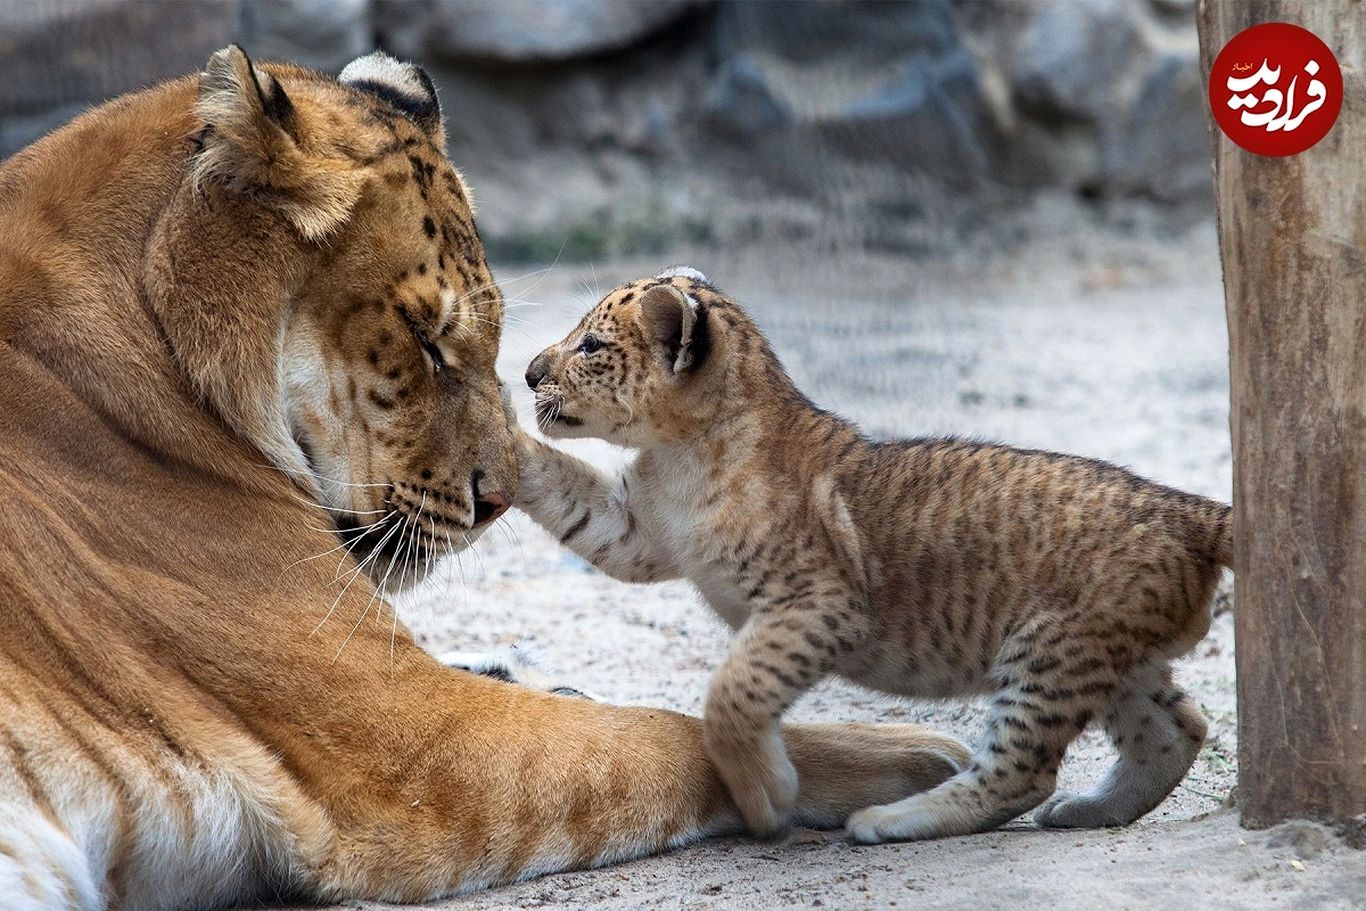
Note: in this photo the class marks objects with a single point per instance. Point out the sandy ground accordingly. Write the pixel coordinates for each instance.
(1119, 355)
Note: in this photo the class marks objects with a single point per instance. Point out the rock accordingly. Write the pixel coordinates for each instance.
(1306, 839)
(65, 52)
(930, 118)
(809, 32)
(825, 68)
(650, 131)
(323, 34)
(1072, 58)
(741, 104)
(1158, 145)
(1353, 832)
(1182, 8)
(521, 30)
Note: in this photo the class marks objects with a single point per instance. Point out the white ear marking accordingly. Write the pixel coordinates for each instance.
(404, 85)
(381, 68)
(683, 272)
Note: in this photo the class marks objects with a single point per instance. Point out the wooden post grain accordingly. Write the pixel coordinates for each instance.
(1292, 234)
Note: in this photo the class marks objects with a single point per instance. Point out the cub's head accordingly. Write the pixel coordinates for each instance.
(638, 369)
(321, 281)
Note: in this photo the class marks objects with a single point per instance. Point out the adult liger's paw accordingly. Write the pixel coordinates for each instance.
(760, 778)
(514, 664)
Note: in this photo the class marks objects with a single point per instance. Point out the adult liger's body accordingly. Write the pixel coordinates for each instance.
(234, 309)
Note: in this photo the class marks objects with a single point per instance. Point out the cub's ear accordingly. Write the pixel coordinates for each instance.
(252, 143)
(677, 327)
(406, 86)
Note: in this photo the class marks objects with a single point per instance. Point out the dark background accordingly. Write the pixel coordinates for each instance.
(599, 128)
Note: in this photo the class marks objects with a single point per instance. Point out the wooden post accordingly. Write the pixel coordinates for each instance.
(1292, 235)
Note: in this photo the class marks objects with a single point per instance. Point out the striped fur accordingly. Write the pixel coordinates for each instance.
(1060, 586)
(241, 318)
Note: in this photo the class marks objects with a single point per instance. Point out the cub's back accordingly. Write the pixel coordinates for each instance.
(959, 511)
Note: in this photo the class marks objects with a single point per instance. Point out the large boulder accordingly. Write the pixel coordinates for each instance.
(1073, 56)
(889, 85)
(1159, 145)
(931, 117)
(322, 34)
(520, 31)
(61, 53)
(1104, 96)
(818, 31)
(741, 103)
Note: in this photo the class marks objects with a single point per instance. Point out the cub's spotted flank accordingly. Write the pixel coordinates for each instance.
(1061, 586)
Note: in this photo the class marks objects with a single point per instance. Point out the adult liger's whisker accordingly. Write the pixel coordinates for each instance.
(342, 509)
(544, 273)
(355, 574)
(413, 543)
(344, 545)
(375, 594)
(511, 531)
(368, 529)
(459, 568)
(507, 281)
(315, 476)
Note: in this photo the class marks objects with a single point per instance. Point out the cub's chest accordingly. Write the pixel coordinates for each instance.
(705, 537)
(680, 516)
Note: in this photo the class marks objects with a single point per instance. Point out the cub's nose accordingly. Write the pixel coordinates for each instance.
(536, 372)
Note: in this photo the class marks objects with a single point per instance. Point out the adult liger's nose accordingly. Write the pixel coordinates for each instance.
(536, 372)
(489, 507)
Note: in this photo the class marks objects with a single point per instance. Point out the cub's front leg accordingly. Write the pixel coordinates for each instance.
(588, 513)
(778, 655)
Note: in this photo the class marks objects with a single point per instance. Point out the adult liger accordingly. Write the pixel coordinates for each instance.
(241, 315)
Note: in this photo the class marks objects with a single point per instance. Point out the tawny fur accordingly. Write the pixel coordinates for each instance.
(238, 312)
(1061, 586)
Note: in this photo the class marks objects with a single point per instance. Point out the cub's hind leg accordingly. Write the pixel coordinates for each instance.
(1158, 730)
(1051, 687)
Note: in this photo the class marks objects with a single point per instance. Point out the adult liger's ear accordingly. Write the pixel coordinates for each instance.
(253, 142)
(404, 85)
(677, 327)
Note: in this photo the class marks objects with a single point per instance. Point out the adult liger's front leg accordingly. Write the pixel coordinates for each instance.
(777, 656)
(500, 783)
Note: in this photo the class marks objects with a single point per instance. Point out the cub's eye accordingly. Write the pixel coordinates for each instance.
(432, 351)
(589, 344)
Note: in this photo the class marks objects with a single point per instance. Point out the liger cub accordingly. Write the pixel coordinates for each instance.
(1061, 586)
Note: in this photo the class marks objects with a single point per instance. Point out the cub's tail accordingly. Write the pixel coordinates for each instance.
(1221, 528)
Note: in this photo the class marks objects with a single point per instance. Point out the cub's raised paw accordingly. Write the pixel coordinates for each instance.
(760, 778)
(515, 664)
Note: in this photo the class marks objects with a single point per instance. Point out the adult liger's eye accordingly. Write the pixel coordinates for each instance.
(589, 344)
(432, 351)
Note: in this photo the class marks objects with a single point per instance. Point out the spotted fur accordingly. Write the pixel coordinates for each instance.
(1059, 586)
(243, 317)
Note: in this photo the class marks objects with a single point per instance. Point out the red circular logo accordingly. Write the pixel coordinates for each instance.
(1275, 89)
